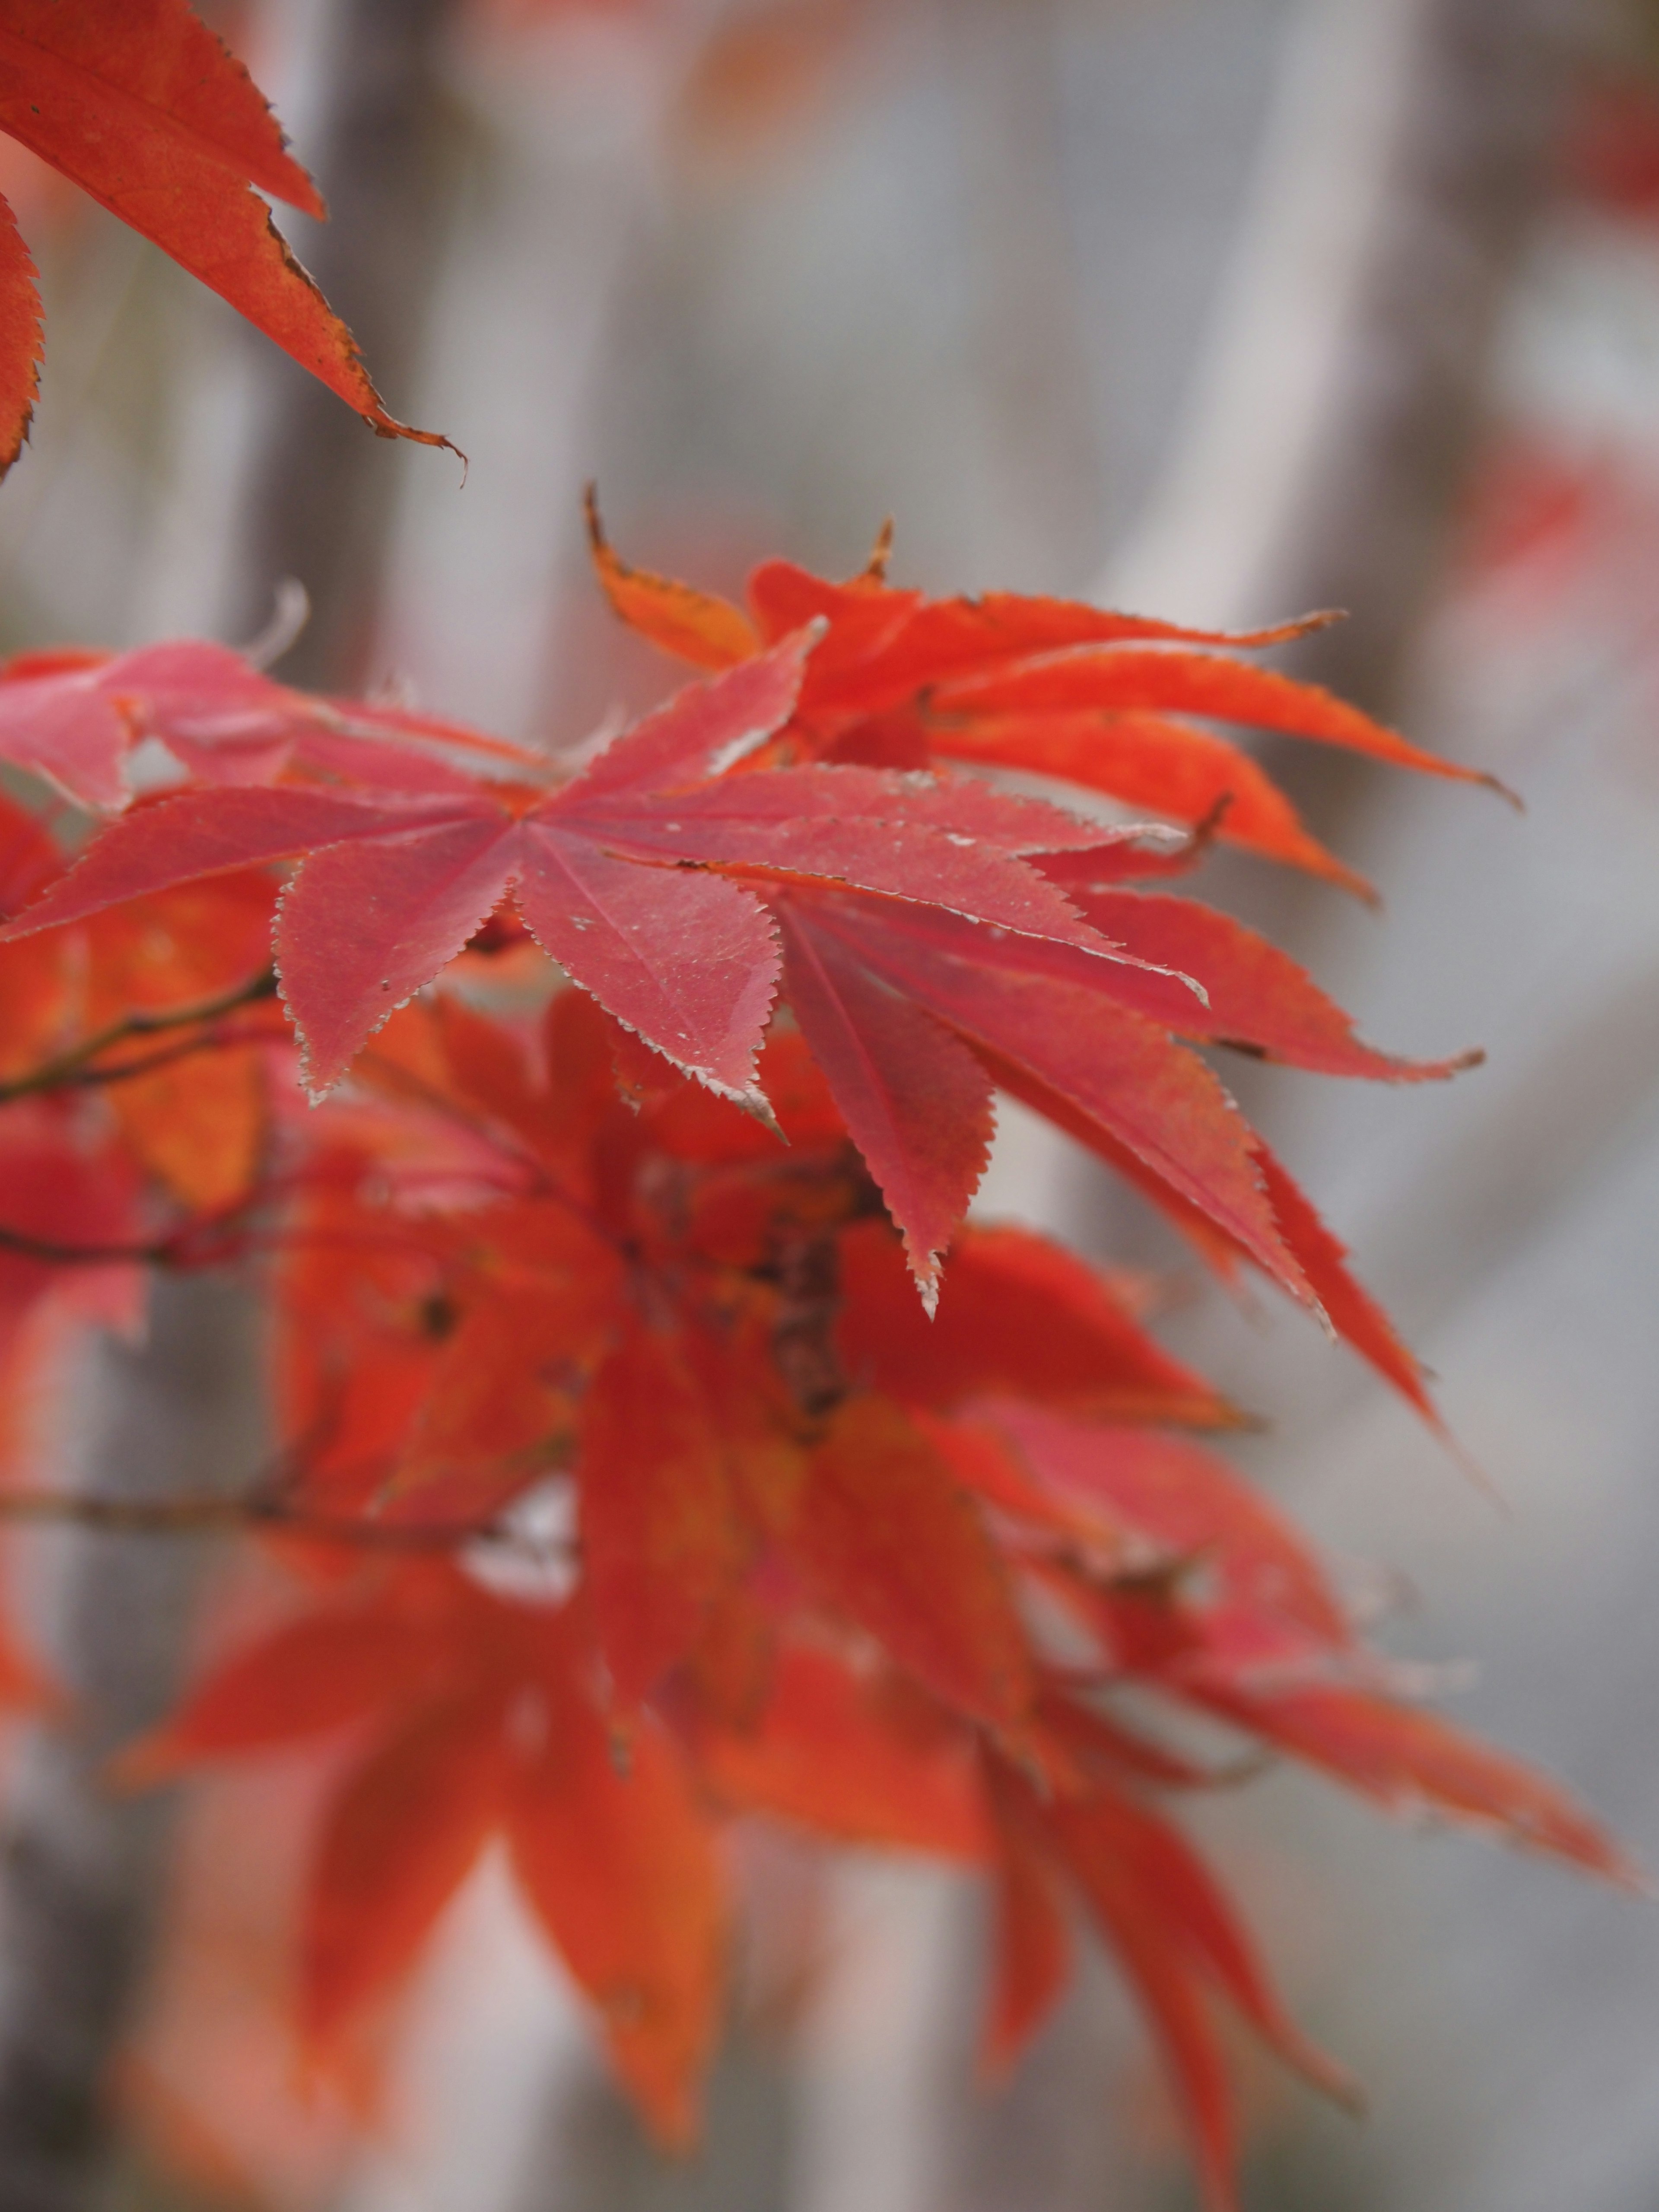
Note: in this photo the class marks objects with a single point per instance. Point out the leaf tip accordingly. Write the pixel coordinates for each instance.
(875, 568)
(1467, 1465)
(1504, 790)
(756, 1104)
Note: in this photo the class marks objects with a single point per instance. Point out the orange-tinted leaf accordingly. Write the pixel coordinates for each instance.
(734, 1665)
(158, 59)
(178, 947)
(897, 645)
(1121, 1851)
(828, 1752)
(890, 1538)
(1413, 1761)
(863, 617)
(755, 76)
(707, 1130)
(1169, 1979)
(198, 1124)
(500, 1407)
(694, 625)
(1127, 679)
(1032, 1960)
(398, 1838)
(620, 1865)
(661, 1539)
(491, 1070)
(70, 1194)
(37, 1003)
(1177, 769)
(311, 1675)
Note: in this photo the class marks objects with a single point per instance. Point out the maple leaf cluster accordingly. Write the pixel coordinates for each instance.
(629, 1233)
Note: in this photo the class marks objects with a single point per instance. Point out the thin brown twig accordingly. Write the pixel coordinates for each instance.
(160, 1253)
(202, 1242)
(70, 1068)
(213, 1039)
(205, 1513)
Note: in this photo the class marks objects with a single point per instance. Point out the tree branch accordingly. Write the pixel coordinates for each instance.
(192, 1513)
(74, 1067)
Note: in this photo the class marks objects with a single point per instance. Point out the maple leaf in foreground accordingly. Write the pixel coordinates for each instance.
(142, 105)
(934, 935)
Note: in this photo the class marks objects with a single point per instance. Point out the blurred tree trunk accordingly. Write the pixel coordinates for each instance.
(1040, 447)
(1335, 417)
(80, 1875)
(322, 484)
(81, 1878)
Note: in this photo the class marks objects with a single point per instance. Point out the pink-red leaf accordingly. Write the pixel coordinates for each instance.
(362, 926)
(1115, 1069)
(704, 729)
(688, 961)
(394, 885)
(1021, 1317)
(916, 1101)
(866, 827)
(1256, 996)
(1349, 1307)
